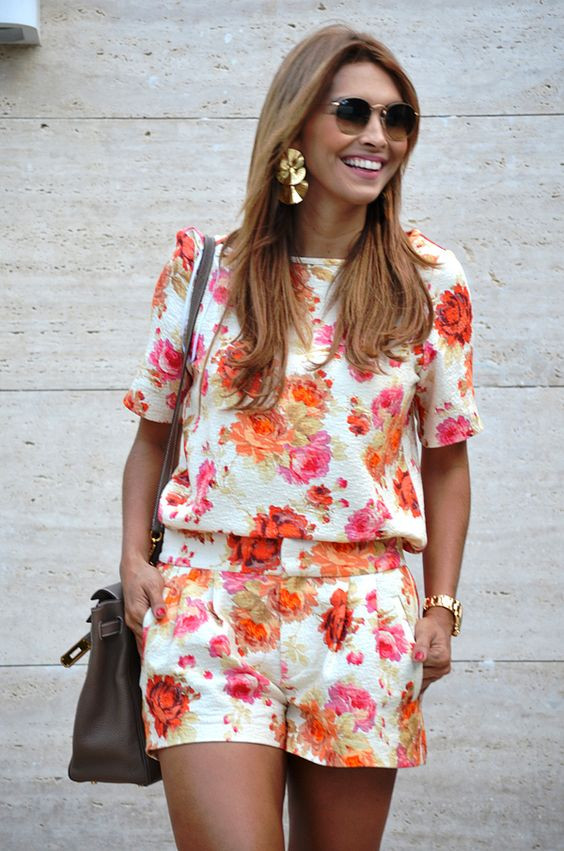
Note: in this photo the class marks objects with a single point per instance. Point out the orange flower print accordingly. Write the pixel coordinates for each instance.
(173, 498)
(337, 621)
(184, 248)
(359, 759)
(319, 730)
(453, 316)
(136, 402)
(294, 599)
(254, 553)
(279, 730)
(320, 496)
(227, 358)
(358, 423)
(405, 492)
(159, 296)
(258, 632)
(340, 558)
(307, 391)
(300, 276)
(282, 523)
(466, 385)
(374, 462)
(168, 700)
(412, 747)
(260, 435)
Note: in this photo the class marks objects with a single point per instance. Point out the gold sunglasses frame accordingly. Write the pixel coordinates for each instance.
(383, 112)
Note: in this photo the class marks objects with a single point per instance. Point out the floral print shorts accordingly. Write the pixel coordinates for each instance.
(317, 665)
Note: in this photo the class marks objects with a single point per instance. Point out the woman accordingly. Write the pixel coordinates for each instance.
(280, 632)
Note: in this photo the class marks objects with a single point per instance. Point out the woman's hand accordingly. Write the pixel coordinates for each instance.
(432, 644)
(142, 590)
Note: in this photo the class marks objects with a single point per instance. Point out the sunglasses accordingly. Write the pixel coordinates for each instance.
(399, 120)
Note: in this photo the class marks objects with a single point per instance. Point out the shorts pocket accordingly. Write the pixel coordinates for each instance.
(412, 671)
(148, 618)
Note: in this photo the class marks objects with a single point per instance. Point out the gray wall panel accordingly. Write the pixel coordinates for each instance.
(133, 120)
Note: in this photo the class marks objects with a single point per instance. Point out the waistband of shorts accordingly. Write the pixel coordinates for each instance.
(282, 556)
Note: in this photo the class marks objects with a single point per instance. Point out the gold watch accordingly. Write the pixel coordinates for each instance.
(447, 602)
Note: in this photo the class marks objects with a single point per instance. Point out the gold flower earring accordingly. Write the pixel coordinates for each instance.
(291, 174)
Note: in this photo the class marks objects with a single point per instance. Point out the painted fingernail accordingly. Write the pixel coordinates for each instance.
(161, 612)
(419, 656)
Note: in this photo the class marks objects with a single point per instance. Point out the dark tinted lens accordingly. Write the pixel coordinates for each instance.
(400, 121)
(352, 114)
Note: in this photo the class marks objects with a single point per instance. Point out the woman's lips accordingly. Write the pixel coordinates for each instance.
(364, 167)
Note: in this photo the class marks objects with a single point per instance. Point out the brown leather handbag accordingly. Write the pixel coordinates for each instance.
(108, 743)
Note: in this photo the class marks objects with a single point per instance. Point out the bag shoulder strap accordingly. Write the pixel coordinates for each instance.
(198, 290)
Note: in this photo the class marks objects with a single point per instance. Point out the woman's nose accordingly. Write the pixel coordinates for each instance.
(373, 133)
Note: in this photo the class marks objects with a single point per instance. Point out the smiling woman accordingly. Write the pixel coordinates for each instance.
(281, 633)
(349, 171)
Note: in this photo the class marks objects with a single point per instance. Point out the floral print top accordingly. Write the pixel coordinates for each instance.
(337, 459)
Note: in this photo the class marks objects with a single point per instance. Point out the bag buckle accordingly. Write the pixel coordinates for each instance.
(77, 651)
(108, 628)
(155, 539)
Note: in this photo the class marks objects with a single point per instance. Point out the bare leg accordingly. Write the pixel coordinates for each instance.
(336, 808)
(225, 796)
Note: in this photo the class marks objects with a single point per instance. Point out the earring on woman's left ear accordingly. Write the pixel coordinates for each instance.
(291, 174)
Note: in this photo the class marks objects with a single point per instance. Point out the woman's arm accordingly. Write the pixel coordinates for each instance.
(142, 583)
(446, 488)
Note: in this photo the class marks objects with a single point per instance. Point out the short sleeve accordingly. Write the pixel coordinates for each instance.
(152, 394)
(445, 403)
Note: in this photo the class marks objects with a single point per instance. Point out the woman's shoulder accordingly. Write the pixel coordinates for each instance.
(189, 241)
(446, 270)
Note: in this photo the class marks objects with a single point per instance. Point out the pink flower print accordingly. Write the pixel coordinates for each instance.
(454, 430)
(347, 698)
(355, 658)
(205, 383)
(367, 522)
(427, 356)
(167, 360)
(388, 402)
(187, 661)
(217, 287)
(244, 683)
(390, 559)
(372, 601)
(193, 616)
(234, 581)
(324, 336)
(219, 646)
(308, 462)
(391, 642)
(204, 480)
(342, 482)
(200, 348)
(360, 375)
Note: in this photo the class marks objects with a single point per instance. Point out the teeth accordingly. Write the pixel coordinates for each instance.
(360, 163)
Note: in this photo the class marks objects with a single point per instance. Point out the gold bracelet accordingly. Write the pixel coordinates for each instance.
(446, 602)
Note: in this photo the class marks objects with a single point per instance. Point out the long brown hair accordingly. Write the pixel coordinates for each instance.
(383, 303)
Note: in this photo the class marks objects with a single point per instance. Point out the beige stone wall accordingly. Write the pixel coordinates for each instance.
(134, 119)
